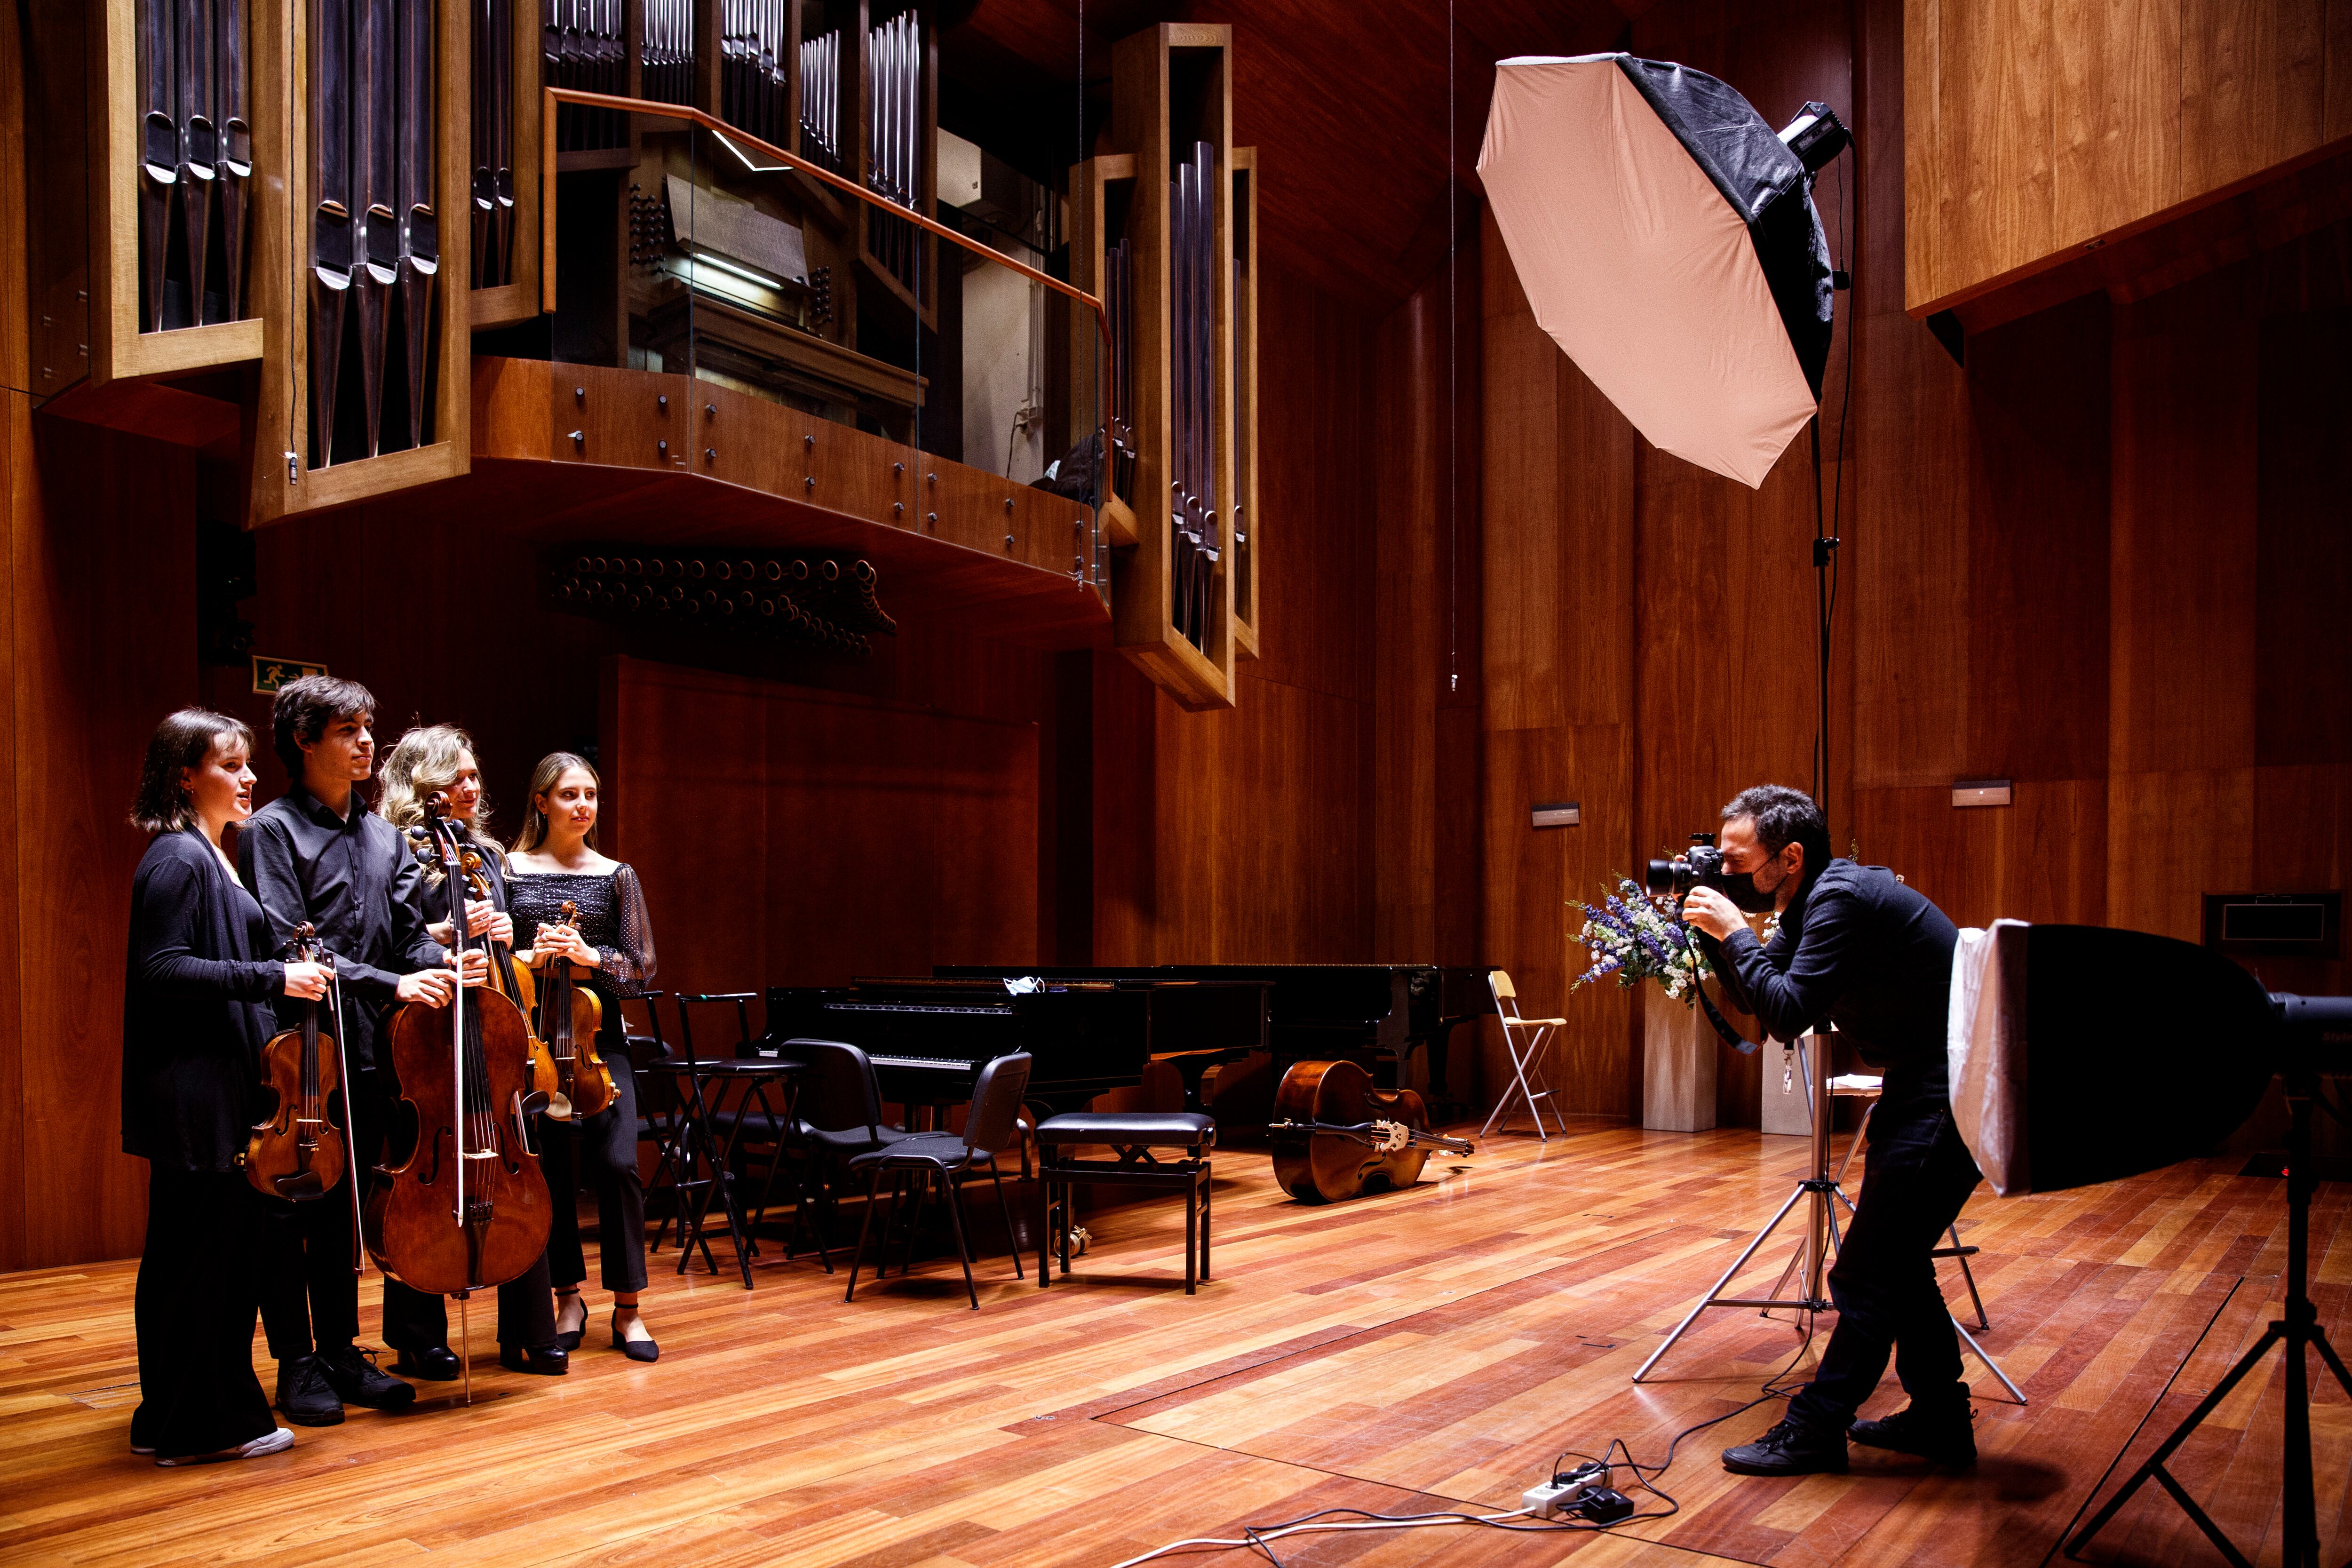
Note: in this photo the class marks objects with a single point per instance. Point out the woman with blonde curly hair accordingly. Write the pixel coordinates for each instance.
(438, 759)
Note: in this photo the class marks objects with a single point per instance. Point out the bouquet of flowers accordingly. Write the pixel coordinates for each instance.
(1635, 938)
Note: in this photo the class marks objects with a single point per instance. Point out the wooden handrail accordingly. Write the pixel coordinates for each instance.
(719, 127)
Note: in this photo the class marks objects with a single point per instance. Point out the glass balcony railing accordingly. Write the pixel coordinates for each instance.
(695, 249)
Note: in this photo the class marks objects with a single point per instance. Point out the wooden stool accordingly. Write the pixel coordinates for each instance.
(1131, 1137)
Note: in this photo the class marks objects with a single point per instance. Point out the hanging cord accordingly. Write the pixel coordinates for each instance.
(1453, 380)
(297, 436)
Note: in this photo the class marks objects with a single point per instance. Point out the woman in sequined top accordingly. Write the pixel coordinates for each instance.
(555, 862)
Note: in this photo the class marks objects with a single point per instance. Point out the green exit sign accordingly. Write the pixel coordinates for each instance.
(269, 674)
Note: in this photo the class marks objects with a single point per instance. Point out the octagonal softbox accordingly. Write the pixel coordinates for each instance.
(2081, 1054)
(1667, 241)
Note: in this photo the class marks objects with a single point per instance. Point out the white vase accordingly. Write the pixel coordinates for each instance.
(1678, 1064)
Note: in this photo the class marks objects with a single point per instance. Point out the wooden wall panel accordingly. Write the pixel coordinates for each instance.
(2252, 86)
(2184, 388)
(99, 523)
(2302, 574)
(1411, 516)
(2037, 584)
(2038, 127)
(1428, 774)
(18, 474)
(793, 836)
(1556, 670)
(2117, 73)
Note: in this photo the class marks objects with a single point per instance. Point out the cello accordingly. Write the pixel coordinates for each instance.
(512, 977)
(297, 1153)
(568, 1017)
(1336, 1137)
(469, 1209)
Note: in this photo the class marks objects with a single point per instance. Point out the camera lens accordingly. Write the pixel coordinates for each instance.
(1664, 876)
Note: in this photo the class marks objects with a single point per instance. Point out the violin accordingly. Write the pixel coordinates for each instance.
(512, 976)
(469, 1209)
(297, 1153)
(568, 1017)
(1336, 1137)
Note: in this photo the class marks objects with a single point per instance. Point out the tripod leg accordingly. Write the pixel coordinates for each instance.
(2327, 1354)
(1728, 1274)
(1968, 1275)
(1990, 1364)
(2153, 1468)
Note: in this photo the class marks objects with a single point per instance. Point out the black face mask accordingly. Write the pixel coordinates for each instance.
(1745, 895)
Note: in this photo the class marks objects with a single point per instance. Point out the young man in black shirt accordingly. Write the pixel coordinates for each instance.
(1859, 948)
(316, 855)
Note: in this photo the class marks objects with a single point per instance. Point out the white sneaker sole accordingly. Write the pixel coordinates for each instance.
(276, 1440)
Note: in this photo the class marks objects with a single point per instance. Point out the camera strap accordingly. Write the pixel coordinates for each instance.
(1722, 1026)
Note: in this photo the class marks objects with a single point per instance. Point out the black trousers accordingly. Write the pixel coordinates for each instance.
(193, 1313)
(603, 1149)
(310, 1299)
(1917, 1176)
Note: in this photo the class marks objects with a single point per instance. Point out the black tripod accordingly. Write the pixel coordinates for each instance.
(2298, 1331)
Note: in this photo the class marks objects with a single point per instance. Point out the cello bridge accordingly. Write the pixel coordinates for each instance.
(1391, 1136)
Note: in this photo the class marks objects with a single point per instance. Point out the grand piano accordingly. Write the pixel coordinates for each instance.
(928, 1037)
(1376, 1014)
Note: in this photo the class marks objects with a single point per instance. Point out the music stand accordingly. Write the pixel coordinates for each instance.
(1821, 1192)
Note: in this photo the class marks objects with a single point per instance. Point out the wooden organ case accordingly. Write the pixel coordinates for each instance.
(301, 213)
(1164, 231)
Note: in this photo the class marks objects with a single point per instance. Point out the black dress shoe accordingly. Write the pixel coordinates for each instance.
(353, 1373)
(304, 1395)
(1788, 1449)
(635, 1350)
(539, 1361)
(1944, 1435)
(438, 1364)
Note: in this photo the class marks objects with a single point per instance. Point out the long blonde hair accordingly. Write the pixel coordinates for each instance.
(544, 777)
(423, 760)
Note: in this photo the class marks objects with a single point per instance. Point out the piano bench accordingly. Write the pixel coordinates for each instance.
(1131, 1136)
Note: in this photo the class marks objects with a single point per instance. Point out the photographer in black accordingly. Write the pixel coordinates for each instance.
(1857, 948)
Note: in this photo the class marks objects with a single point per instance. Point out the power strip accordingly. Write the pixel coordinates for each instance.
(1562, 1493)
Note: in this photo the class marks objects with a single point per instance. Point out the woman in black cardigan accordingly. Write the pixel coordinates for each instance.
(195, 1010)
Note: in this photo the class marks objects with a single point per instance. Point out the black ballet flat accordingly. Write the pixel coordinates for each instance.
(538, 1361)
(438, 1364)
(635, 1350)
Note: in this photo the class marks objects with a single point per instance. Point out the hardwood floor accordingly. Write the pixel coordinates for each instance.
(1428, 1350)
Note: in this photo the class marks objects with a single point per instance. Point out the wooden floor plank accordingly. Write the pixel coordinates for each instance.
(1434, 1349)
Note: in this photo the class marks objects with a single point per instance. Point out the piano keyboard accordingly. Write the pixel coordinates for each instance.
(923, 1064)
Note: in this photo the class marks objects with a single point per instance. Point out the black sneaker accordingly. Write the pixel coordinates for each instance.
(304, 1395)
(352, 1373)
(1946, 1436)
(1788, 1449)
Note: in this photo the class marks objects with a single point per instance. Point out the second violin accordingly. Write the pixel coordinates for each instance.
(568, 1017)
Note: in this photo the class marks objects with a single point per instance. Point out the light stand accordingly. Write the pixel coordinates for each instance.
(2297, 1332)
(1814, 1190)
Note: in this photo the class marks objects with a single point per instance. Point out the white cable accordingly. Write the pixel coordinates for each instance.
(1406, 1521)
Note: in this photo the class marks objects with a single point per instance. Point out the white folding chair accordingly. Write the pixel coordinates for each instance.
(1524, 1038)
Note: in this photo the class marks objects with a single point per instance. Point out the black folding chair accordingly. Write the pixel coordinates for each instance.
(836, 1113)
(992, 1124)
